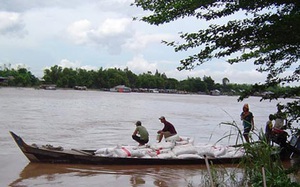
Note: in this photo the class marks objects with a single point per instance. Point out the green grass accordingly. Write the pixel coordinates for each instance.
(259, 167)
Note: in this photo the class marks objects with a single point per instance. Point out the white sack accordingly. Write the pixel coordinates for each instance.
(126, 152)
(233, 152)
(218, 150)
(211, 151)
(167, 155)
(173, 138)
(162, 145)
(184, 149)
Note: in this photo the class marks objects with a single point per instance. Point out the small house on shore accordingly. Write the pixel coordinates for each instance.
(215, 92)
(48, 86)
(80, 88)
(120, 88)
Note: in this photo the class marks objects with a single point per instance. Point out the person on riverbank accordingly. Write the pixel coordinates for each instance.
(140, 134)
(280, 118)
(167, 131)
(268, 129)
(248, 121)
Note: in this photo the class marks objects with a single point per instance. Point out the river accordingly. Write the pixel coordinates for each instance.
(96, 119)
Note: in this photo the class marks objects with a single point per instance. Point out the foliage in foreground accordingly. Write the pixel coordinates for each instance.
(262, 32)
(259, 166)
(261, 161)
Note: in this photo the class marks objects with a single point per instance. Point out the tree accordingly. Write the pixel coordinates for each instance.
(268, 36)
(132, 78)
(200, 85)
(52, 75)
(225, 81)
(171, 83)
(20, 77)
(209, 82)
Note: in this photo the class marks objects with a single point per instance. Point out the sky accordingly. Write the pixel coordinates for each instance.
(91, 34)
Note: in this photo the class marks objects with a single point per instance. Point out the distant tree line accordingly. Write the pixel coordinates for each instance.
(20, 77)
(108, 78)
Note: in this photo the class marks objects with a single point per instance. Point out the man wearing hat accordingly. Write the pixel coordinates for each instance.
(167, 131)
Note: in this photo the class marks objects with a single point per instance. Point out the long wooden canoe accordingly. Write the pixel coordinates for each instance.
(46, 154)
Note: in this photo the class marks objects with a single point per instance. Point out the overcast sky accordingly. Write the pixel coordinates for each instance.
(91, 34)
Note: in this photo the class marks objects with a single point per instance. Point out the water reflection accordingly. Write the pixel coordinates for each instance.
(38, 174)
(137, 180)
(35, 174)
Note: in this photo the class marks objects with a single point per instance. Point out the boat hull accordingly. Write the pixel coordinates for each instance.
(35, 153)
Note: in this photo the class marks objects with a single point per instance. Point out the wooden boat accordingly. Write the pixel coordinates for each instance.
(49, 154)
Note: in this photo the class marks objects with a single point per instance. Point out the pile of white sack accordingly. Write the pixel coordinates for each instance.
(174, 147)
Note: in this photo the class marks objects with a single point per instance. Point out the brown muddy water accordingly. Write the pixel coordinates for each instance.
(94, 119)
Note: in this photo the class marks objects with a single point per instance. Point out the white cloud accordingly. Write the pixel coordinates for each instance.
(112, 27)
(83, 31)
(139, 65)
(22, 6)
(241, 77)
(88, 67)
(78, 31)
(140, 41)
(11, 23)
(13, 66)
(218, 70)
(65, 63)
(110, 34)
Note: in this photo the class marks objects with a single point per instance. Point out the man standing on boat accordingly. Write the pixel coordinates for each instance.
(140, 130)
(167, 131)
(248, 121)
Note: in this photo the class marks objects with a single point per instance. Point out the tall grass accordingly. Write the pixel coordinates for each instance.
(260, 157)
(260, 167)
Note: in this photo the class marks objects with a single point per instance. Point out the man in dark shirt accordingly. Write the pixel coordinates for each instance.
(167, 131)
